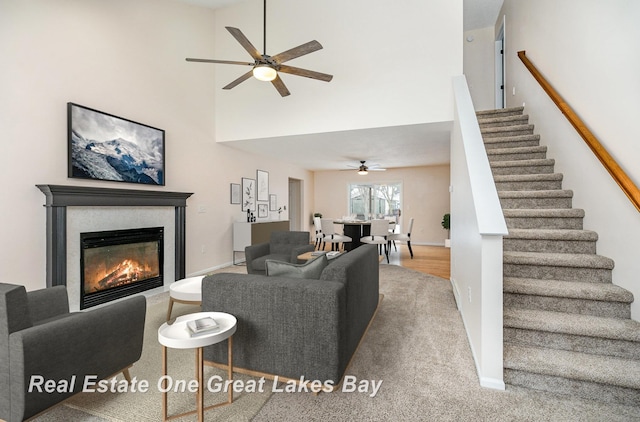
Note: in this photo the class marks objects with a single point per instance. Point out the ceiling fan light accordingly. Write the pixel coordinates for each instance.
(363, 172)
(264, 73)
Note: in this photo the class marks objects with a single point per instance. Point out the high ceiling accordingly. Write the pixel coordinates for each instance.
(395, 147)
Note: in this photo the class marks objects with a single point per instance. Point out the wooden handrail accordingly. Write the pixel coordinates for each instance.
(609, 163)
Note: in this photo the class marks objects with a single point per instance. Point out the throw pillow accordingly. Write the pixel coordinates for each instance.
(311, 269)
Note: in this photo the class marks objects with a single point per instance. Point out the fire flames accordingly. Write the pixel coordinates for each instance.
(126, 272)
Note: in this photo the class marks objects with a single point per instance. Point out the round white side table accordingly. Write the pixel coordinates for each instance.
(177, 336)
(187, 290)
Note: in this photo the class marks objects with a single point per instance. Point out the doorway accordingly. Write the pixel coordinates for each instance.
(500, 87)
(295, 204)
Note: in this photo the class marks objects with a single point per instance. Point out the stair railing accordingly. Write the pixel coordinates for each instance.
(609, 163)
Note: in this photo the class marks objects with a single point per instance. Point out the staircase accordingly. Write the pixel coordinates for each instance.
(567, 328)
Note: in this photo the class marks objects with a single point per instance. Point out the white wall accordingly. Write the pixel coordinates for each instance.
(425, 197)
(587, 51)
(125, 58)
(479, 66)
(392, 65)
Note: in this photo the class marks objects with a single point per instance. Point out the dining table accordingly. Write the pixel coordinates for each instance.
(355, 229)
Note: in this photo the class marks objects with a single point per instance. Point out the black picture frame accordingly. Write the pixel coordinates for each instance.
(102, 146)
(248, 194)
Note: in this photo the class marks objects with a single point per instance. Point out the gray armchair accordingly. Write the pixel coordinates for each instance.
(282, 246)
(41, 339)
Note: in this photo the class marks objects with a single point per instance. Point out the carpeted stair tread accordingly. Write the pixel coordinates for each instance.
(510, 111)
(573, 324)
(567, 289)
(544, 212)
(556, 193)
(544, 177)
(507, 129)
(511, 141)
(523, 163)
(558, 260)
(545, 218)
(574, 365)
(552, 234)
(510, 120)
(517, 150)
(517, 153)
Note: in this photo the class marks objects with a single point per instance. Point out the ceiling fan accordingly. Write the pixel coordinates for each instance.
(267, 68)
(363, 169)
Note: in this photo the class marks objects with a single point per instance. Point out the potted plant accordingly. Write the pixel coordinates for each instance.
(446, 224)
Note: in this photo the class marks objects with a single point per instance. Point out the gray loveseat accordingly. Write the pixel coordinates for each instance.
(294, 327)
(282, 246)
(41, 341)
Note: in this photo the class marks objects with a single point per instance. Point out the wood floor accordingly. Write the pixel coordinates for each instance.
(434, 260)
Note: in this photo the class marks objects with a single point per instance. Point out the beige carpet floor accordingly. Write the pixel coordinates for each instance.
(416, 346)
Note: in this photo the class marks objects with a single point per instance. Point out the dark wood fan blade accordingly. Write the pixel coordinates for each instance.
(218, 61)
(244, 42)
(306, 73)
(298, 51)
(239, 80)
(280, 86)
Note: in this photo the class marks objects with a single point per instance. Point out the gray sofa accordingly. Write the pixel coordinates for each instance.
(294, 327)
(40, 338)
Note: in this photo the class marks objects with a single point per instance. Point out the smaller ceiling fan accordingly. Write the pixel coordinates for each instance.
(265, 67)
(363, 169)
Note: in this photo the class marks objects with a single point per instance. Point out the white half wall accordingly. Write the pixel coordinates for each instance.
(477, 228)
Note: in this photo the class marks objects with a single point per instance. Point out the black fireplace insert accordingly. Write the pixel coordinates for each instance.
(119, 263)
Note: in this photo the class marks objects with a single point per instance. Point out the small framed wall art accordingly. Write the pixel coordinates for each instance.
(263, 185)
(262, 211)
(235, 193)
(273, 202)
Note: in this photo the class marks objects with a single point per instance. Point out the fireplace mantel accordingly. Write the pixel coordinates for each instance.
(59, 197)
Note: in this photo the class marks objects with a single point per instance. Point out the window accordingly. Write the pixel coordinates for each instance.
(368, 201)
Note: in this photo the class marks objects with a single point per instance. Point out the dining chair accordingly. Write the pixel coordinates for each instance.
(379, 235)
(330, 236)
(318, 228)
(404, 237)
(392, 224)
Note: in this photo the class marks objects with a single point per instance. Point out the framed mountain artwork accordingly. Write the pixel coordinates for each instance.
(102, 146)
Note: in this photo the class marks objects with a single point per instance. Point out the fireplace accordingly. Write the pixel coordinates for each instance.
(119, 263)
(71, 210)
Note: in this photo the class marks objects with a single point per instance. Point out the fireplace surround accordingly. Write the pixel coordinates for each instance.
(59, 197)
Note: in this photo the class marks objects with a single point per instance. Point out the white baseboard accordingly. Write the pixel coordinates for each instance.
(494, 384)
(211, 269)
